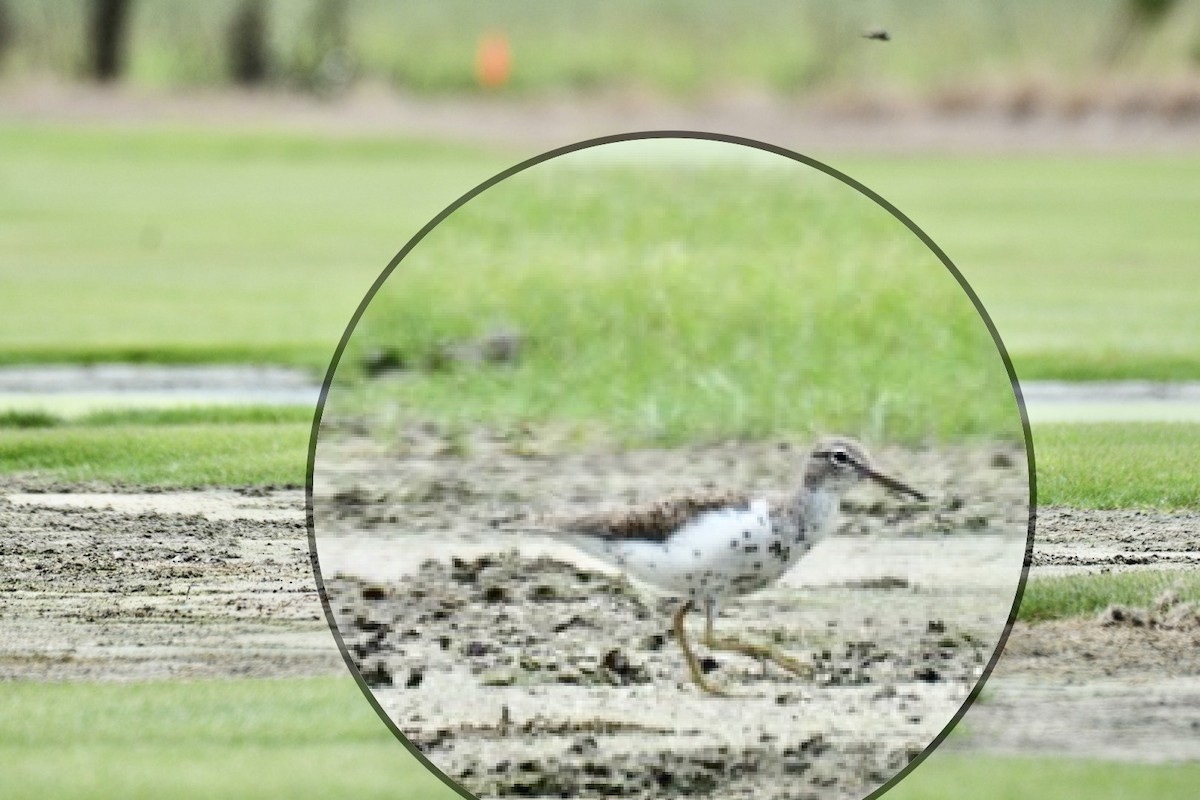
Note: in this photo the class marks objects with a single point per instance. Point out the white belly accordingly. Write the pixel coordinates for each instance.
(722, 553)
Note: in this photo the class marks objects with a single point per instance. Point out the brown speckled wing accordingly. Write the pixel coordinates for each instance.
(654, 522)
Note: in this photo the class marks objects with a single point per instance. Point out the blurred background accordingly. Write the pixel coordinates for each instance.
(209, 190)
(1069, 57)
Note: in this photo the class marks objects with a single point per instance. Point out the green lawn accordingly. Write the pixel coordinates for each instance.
(165, 245)
(223, 451)
(202, 739)
(1118, 465)
(175, 246)
(176, 415)
(318, 738)
(950, 776)
(1086, 264)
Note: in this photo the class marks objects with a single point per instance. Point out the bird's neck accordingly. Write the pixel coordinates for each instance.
(818, 507)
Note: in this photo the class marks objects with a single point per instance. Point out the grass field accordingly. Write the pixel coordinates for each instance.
(1126, 465)
(234, 738)
(176, 447)
(161, 245)
(675, 47)
(671, 303)
(1080, 595)
(1081, 262)
(168, 246)
(318, 738)
(174, 247)
(947, 776)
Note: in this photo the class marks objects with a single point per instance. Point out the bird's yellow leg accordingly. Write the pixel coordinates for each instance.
(692, 662)
(792, 665)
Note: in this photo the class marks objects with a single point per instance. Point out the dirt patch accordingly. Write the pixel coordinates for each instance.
(194, 584)
(1119, 685)
(522, 668)
(534, 677)
(470, 484)
(1070, 540)
(1095, 688)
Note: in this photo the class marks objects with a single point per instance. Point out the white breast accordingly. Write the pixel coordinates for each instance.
(706, 557)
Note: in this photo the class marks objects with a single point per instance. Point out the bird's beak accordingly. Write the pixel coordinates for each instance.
(893, 484)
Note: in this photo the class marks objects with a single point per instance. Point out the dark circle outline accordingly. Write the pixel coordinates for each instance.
(638, 136)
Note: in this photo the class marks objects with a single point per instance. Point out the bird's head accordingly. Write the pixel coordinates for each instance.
(838, 463)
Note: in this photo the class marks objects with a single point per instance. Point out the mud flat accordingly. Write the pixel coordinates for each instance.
(521, 668)
(106, 586)
(102, 583)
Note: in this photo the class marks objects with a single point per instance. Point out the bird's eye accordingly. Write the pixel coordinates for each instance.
(839, 457)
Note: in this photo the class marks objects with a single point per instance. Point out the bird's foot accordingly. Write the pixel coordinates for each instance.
(710, 688)
(766, 653)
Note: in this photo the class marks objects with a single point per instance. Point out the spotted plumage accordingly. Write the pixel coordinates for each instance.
(715, 546)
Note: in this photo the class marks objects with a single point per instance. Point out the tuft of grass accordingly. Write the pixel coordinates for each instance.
(1060, 596)
(191, 454)
(29, 419)
(278, 738)
(719, 296)
(1118, 465)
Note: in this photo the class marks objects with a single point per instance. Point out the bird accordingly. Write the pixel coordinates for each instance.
(878, 34)
(706, 548)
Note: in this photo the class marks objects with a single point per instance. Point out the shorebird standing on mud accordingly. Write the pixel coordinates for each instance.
(709, 548)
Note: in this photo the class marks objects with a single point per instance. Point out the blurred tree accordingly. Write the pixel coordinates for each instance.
(247, 43)
(106, 32)
(1135, 20)
(6, 31)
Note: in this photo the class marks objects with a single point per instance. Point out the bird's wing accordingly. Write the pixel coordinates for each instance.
(656, 521)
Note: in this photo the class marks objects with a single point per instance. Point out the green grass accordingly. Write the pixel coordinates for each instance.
(172, 246)
(683, 302)
(1056, 597)
(153, 453)
(318, 738)
(282, 738)
(179, 415)
(1126, 465)
(29, 419)
(1086, 264)
(195, 415)
(175, 246)
(951, 776)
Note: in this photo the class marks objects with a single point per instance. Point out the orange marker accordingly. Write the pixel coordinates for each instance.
(493, 61)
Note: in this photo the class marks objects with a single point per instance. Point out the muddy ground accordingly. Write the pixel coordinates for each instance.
(457, 617)
(560, 658)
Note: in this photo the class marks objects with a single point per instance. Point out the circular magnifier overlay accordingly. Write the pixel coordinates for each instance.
(671, 464)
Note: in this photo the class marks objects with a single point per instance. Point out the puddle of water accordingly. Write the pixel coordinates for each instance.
(1112, 401)
(70, 390)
